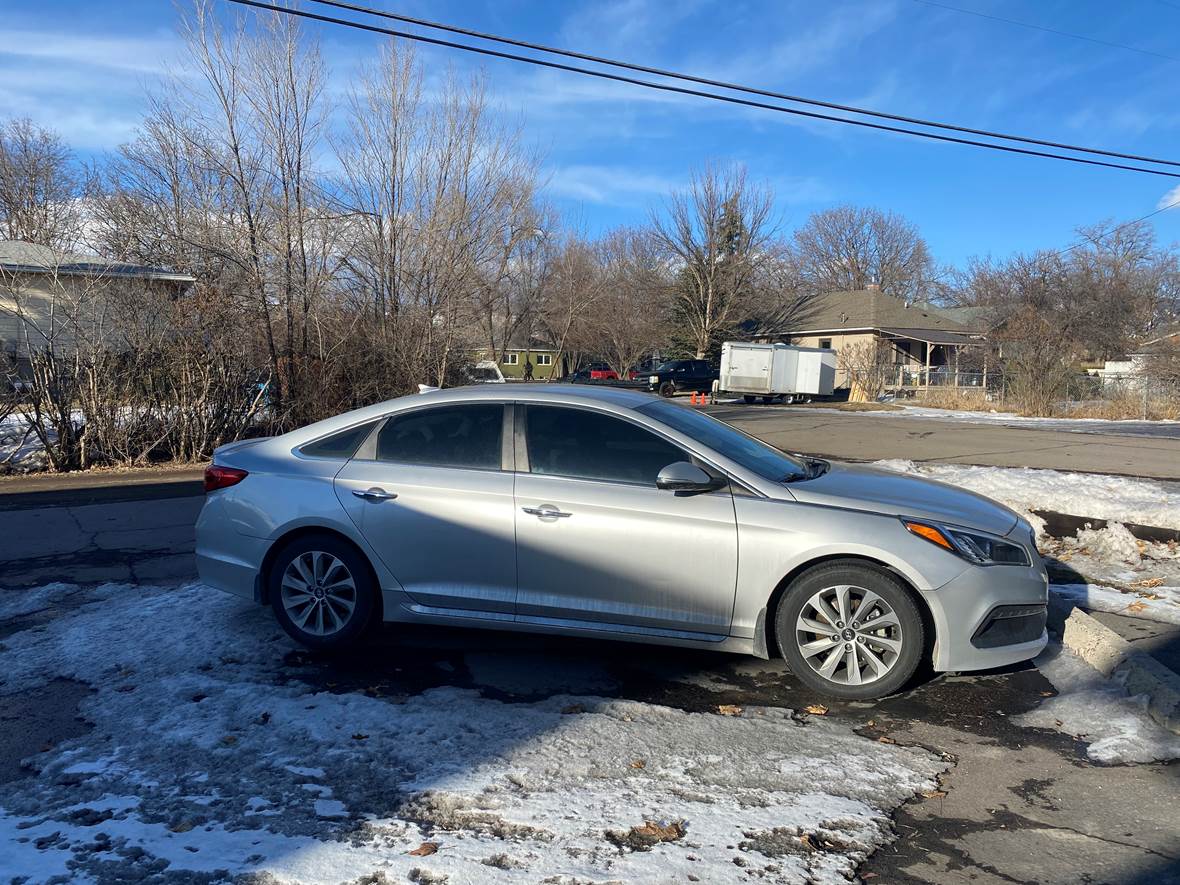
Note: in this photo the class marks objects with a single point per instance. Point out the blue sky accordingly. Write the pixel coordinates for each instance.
(612, 151)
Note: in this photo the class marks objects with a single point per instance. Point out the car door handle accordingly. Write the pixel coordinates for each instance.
(374, 494)
(545, 512)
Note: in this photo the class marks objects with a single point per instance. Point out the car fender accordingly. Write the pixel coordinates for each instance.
(778, 538)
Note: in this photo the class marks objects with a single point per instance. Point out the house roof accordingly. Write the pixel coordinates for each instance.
(17, 256)
(934, 336)
(871, 309)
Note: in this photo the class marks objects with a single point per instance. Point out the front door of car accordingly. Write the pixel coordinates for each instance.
(432, 495)
(597, 541)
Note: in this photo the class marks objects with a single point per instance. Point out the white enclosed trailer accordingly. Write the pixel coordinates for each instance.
(776, 370)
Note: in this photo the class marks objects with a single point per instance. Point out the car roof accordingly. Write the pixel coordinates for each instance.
(539, 392)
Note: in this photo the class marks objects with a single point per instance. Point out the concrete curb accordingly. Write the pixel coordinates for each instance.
(1113, 656)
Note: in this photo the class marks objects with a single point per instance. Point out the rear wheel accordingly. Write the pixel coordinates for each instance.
(322, 591)
(850, 631)
(750, 400)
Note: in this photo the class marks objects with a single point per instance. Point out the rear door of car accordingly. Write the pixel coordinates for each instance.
(598, 542)
(432, 493)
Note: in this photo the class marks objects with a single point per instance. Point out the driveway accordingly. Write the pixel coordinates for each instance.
(154, 731)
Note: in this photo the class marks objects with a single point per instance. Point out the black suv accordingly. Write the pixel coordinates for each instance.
(677, 376)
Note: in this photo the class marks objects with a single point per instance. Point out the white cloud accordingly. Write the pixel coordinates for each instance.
(142, 55)
(609, 185)
(1170, 200)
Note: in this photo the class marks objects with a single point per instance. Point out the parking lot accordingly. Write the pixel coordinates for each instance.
(148, 719)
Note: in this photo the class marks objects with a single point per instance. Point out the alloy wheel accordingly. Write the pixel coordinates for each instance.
(318, 593)
(848, 635)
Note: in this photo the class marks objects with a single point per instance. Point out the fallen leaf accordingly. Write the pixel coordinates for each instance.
(639, 763)
(868, 875)
(934, 794)
(183, 827)
(229, 740)
(816, 709)
(1046, 694)
(1149, 582)
(1137, 606)
(424, 849)
(651, 833)
(729, 709)
(885, 740)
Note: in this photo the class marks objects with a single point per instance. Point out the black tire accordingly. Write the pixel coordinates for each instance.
(767, 400)
(365, 598)
(750, 400)
(667, 389)
(894, 595)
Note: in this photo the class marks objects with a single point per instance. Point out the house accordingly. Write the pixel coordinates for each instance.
(1128, 372)
(927, 345)
(542, 354)
(53, 298)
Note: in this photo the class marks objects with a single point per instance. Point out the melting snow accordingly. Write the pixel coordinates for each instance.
(182, 767)
(1116, 728)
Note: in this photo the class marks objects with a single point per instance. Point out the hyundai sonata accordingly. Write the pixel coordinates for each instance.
(612, 513)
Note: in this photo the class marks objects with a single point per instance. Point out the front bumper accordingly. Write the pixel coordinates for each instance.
(969, 617)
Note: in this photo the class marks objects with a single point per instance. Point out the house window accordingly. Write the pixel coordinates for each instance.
(825, 343)
(512, 359)
(544, 359)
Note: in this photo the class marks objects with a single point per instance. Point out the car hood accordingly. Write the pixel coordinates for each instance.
(883, 491)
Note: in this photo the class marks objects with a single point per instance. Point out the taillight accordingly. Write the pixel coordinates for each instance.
(218, 477)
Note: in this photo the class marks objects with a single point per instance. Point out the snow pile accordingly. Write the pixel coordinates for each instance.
(1092, 708)
(1114, 498)
(1112, 543)
(20, 449)
(208, 754)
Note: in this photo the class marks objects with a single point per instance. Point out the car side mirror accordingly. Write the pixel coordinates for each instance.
(685, 478)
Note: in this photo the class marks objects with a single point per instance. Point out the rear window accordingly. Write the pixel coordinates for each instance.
(339, 445)
(468, 436)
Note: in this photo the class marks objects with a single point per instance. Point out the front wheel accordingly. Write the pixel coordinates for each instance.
(850, 631)
(667, 389)
(322, 591)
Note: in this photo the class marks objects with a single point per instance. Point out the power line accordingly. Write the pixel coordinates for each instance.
(1114, 230)
(681, 90)
(1020, 24)
(736, 87)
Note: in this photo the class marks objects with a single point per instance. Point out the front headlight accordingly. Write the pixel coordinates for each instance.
(977, 547)
(654, 379)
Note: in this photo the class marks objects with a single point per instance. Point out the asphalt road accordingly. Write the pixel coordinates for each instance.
(1019, 805)
(871, 436)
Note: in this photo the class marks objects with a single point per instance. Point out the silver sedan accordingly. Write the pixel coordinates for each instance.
(609, 513)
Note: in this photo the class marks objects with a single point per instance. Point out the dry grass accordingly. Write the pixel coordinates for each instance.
(971, 398)
(1127, 406)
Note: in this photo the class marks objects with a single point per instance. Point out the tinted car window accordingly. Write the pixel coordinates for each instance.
(589, 445)
(751, 453)
(449, 436)
(339, 445)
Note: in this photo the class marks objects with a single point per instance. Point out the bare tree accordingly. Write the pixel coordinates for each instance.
(869, 367)
(715, 234)
(848, 247)
(631, 316)
(40, 186)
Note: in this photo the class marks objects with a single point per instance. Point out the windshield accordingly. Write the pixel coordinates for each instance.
(751, 453)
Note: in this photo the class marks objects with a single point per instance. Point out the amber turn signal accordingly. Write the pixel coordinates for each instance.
(930, 533)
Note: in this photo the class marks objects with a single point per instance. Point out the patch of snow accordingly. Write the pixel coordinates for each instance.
(1157, 604)
(15, 603)
(511, 792)
(1115, 498)
(1116, 728)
